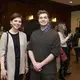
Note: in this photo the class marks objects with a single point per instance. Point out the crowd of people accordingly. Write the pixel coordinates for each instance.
(44, 49)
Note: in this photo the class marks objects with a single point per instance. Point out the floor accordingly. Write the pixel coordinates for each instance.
(75, 69)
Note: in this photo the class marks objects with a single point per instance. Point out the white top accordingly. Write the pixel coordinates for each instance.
(63, 40)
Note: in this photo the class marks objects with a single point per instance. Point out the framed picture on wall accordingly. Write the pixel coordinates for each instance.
(78, 22)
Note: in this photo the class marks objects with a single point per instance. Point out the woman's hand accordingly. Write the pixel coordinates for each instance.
(26, 69)
(3, 74)
(69, 35)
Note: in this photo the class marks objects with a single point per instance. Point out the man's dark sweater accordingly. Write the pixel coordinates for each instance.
(43, 44)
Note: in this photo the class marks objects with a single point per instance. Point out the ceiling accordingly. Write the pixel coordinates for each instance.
(74, 2)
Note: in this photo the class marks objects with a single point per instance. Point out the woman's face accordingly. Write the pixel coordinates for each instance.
(64, 26)
(16, 23)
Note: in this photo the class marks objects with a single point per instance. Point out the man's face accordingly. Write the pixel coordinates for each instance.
(43, 19)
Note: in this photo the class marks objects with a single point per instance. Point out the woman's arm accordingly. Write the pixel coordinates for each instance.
(62, 39)
(3, 42)
(2, 62)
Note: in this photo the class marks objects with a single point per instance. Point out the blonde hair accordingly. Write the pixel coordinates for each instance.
(61, 29)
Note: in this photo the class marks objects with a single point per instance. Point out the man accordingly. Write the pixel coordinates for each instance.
(43, 48)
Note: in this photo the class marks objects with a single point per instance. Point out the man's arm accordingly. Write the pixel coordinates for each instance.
(39, 65)
(31, 56)
(30, 53)
(47, 60)
(44, 62)
(55, 51)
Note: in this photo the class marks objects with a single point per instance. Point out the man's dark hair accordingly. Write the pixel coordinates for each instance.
(42, 12)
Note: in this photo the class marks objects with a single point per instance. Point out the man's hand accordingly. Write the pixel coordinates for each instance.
(37, 66)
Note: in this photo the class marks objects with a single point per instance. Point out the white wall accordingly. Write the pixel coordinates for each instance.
(75, 15)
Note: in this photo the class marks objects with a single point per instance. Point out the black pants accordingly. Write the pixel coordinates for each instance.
(61, 71)
(19, 77)
(66, 63)
(42, 76)
(77, 51)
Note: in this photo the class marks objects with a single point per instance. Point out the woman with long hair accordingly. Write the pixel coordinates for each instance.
(63, 41)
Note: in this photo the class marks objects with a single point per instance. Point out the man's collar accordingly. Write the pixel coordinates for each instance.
(45, 29)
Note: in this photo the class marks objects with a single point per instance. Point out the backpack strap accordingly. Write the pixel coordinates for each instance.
(6, 50)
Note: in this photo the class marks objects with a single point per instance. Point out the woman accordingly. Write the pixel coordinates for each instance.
(16, 50)
(1, 30)
(63, 39)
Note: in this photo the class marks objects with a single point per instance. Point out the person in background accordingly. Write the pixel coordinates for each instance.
(63, 41)
(1, 30)
(76, 43)
(43, 48)
(17, 63)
